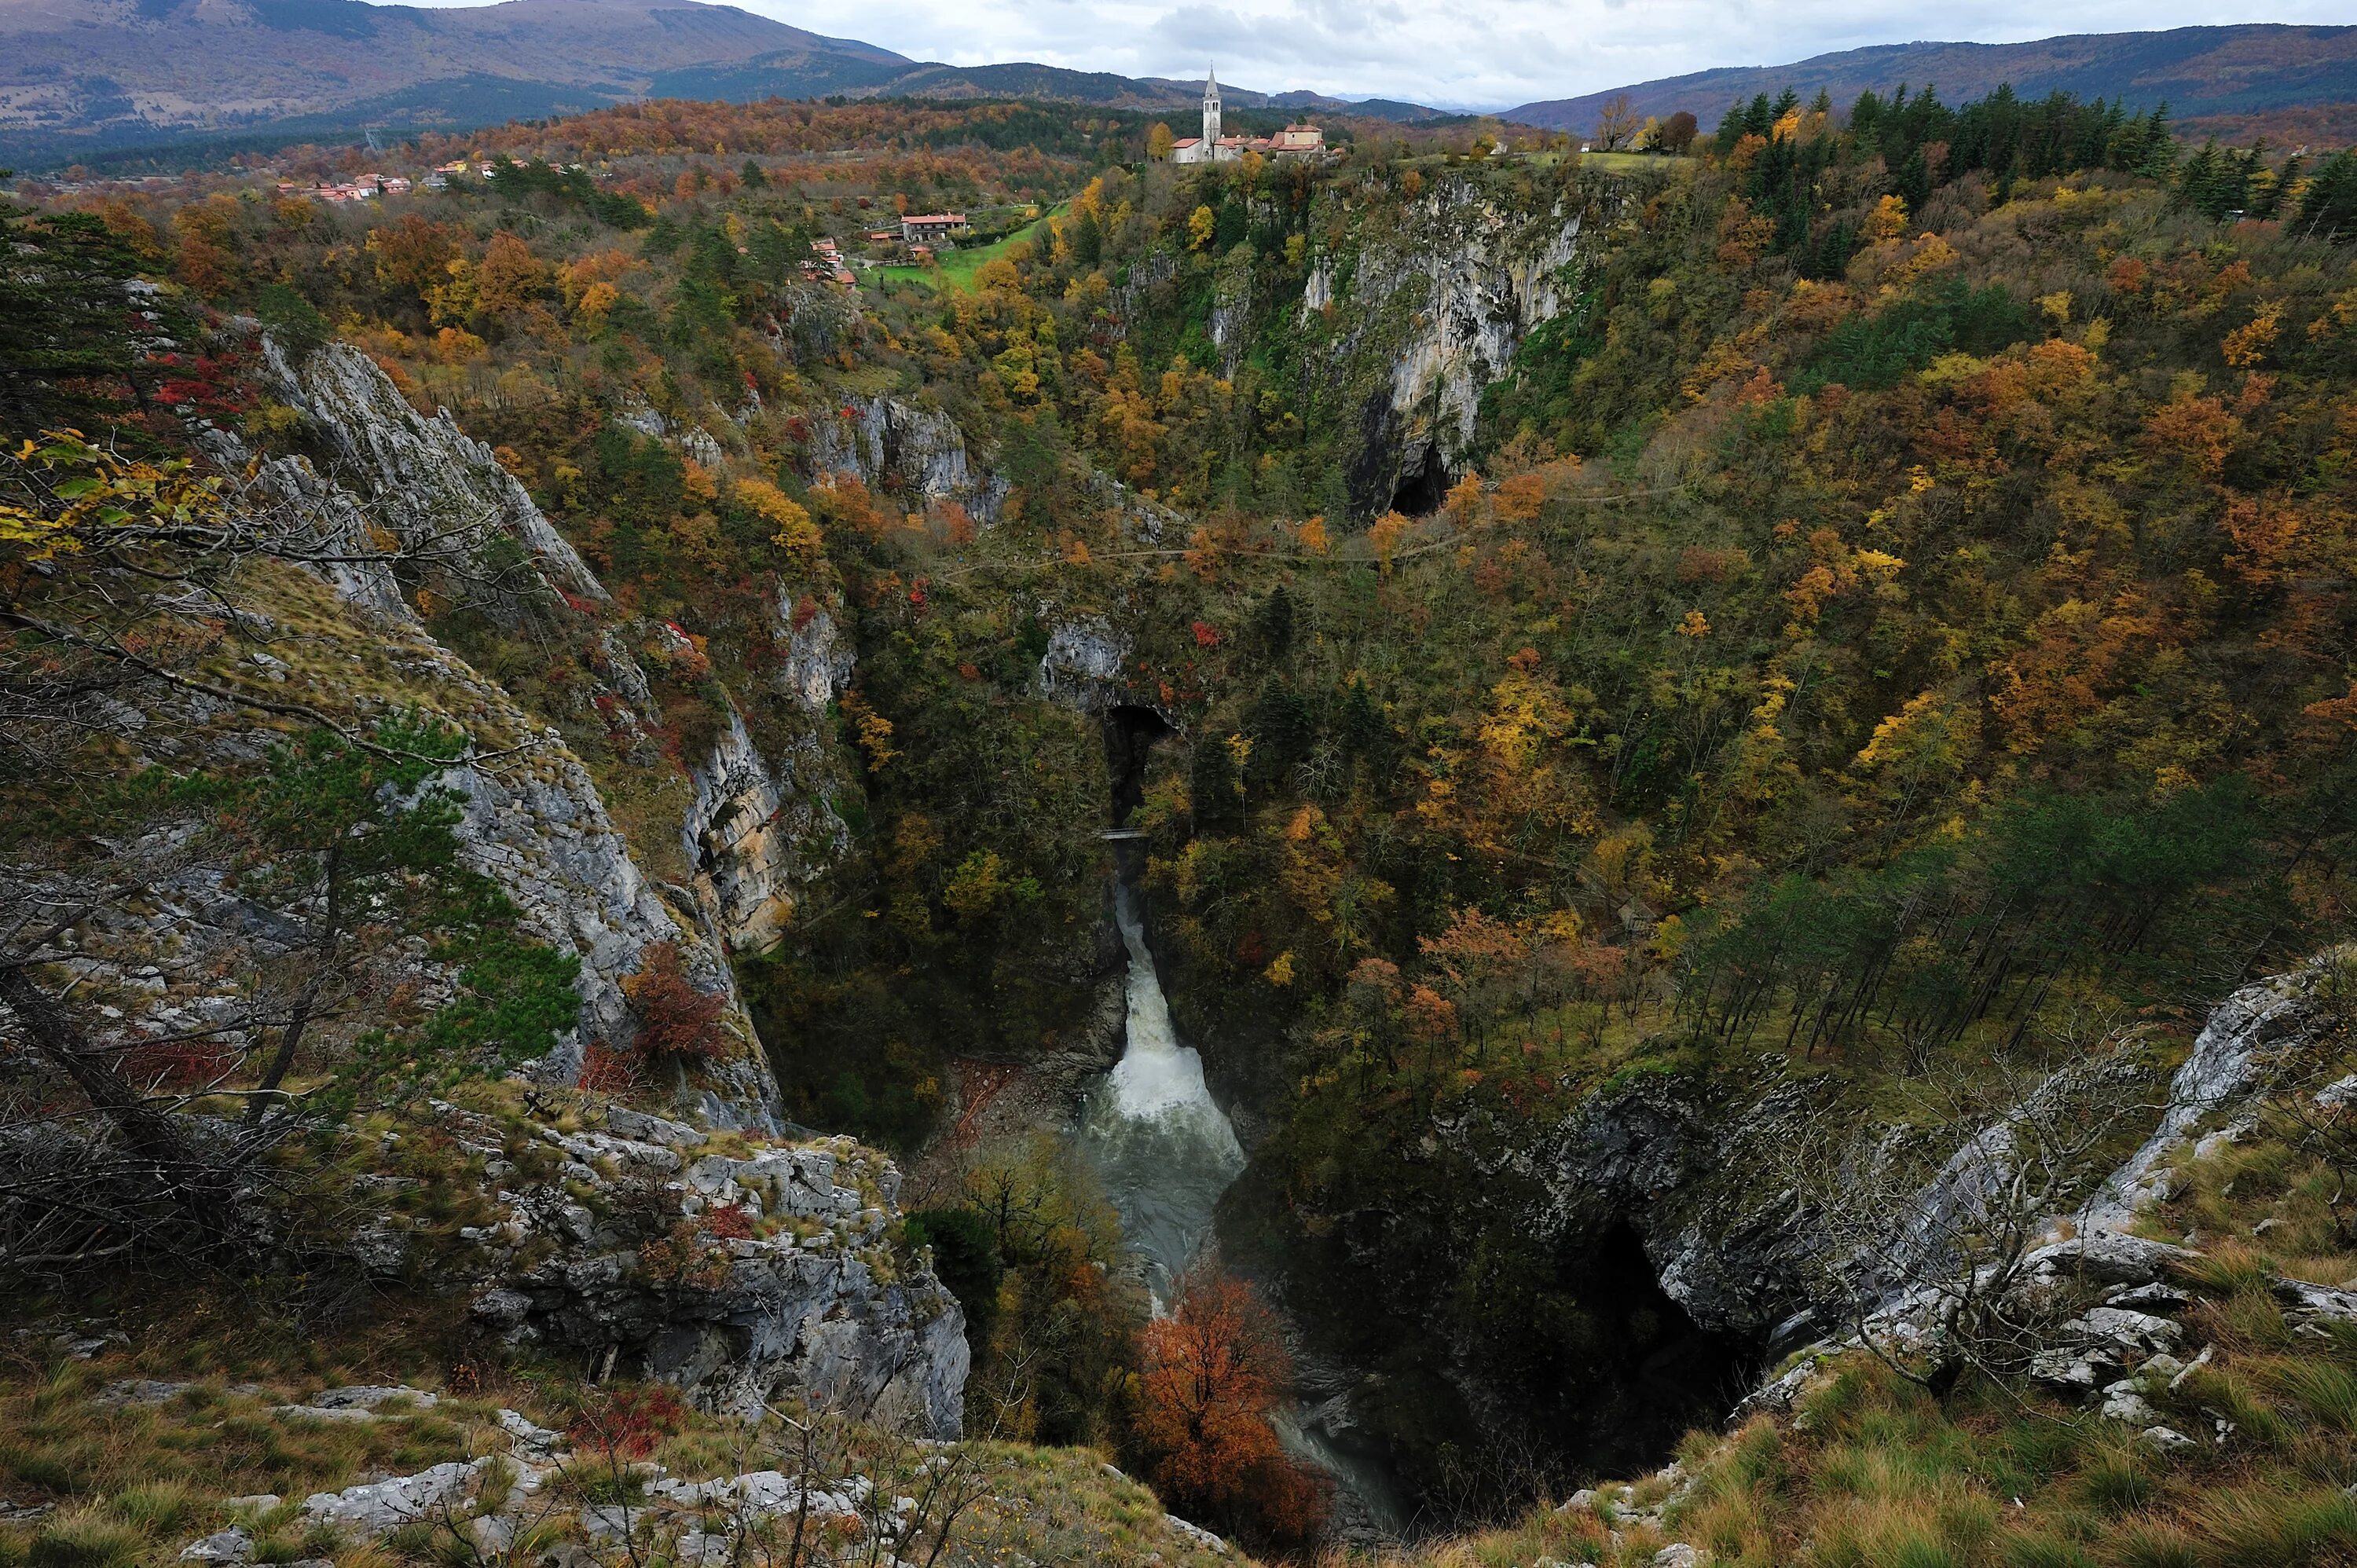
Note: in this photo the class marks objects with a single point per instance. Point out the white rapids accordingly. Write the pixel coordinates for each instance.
(1163, 1145)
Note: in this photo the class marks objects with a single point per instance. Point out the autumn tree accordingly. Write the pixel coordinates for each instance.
(1616, 123)
(1158, 142)
(1214, 1369)
(679, 1021)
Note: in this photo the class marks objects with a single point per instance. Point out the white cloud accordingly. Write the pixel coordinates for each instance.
(1457, 53)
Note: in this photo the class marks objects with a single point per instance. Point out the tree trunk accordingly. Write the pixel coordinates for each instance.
(282, 1062)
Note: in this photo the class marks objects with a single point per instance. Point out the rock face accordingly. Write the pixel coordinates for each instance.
(1694, 1175)
(2225, 1063)
(900, 448)
(533, 819)
(1655, 1155)
(756, 835)
(798, 1290)
(1433, 314)
(1082, 665)
(819, 658)
(423, 477)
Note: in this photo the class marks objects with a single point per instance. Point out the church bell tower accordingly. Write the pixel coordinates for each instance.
(1210, 112)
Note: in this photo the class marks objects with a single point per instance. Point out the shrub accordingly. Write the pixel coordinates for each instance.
(678, 1021)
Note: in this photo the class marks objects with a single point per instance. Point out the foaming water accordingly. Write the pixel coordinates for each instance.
(1163, 1147)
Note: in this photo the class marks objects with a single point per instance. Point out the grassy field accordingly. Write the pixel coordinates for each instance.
(955, 269)
(1631, 163)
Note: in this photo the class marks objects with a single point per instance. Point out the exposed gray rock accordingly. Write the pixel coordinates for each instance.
(1441, 304)
(819, 658)
(2225, 1063)
(2122, 1401)
(821, 1305)
(1082, 666)
(427, 476)
(379, 1507)
(1195, 1534)
(2107, 1258)
(756, 839)
(2312, 1301)
(231, 1545)
(322, 1413)
(373, 1397)
(532, 1444)
(903, 449)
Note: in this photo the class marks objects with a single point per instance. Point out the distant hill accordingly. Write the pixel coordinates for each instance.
(79, 79)
(98, 73)
(2296, 83)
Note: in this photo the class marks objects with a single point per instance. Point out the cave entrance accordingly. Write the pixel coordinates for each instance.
(1130, 732)
(1663, 1373)
(1423, 485)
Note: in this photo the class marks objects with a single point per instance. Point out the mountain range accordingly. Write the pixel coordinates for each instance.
(78, 78)
(83, 79)
(2297, 84)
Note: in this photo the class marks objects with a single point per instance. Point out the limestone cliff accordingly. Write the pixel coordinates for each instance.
(422, 478)
(1427, 310)
(739, 1268)
(903, 449)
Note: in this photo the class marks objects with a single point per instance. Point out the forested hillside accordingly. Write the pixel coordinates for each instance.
(1645, 695)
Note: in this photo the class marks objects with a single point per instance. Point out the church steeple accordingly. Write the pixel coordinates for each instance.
(1211, 111)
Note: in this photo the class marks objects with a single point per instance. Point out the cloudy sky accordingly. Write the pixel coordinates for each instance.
(1463, 53)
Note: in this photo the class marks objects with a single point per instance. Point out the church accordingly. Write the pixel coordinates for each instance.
(1211, 148)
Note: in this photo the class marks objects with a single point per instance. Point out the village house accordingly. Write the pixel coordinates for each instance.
(923, 226)
(1211, 148)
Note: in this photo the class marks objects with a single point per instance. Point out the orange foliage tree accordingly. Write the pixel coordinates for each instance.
(1214, 1369)
(677, 1020)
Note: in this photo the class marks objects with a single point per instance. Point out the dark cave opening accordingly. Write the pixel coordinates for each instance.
(1653, 1372)
(1421, 488)
(1130, 732)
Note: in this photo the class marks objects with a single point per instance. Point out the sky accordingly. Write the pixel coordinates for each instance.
(1463, 54)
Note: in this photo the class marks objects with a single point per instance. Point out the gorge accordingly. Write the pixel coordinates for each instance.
(1456, 850)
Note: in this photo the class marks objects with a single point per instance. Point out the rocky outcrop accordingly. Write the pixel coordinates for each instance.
(533, 819)
(738, 1276)
(901, 449)
(1083, 663)
(757, 833)
(1693, 1167)
(1682, 1168)
(425, 478)
(2226, 1063)
(819, 657)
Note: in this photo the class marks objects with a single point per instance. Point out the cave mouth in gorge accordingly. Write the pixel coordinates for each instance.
(1422, 486)
(1131, 731)
(1655, 1374)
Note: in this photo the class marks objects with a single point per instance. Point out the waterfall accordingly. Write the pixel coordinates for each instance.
(1165, 1149)
(1166, 1152)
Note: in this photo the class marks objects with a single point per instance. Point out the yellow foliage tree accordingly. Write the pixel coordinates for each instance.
(795, 532)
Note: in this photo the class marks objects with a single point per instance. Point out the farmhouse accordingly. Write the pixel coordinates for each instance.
(919, 227)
